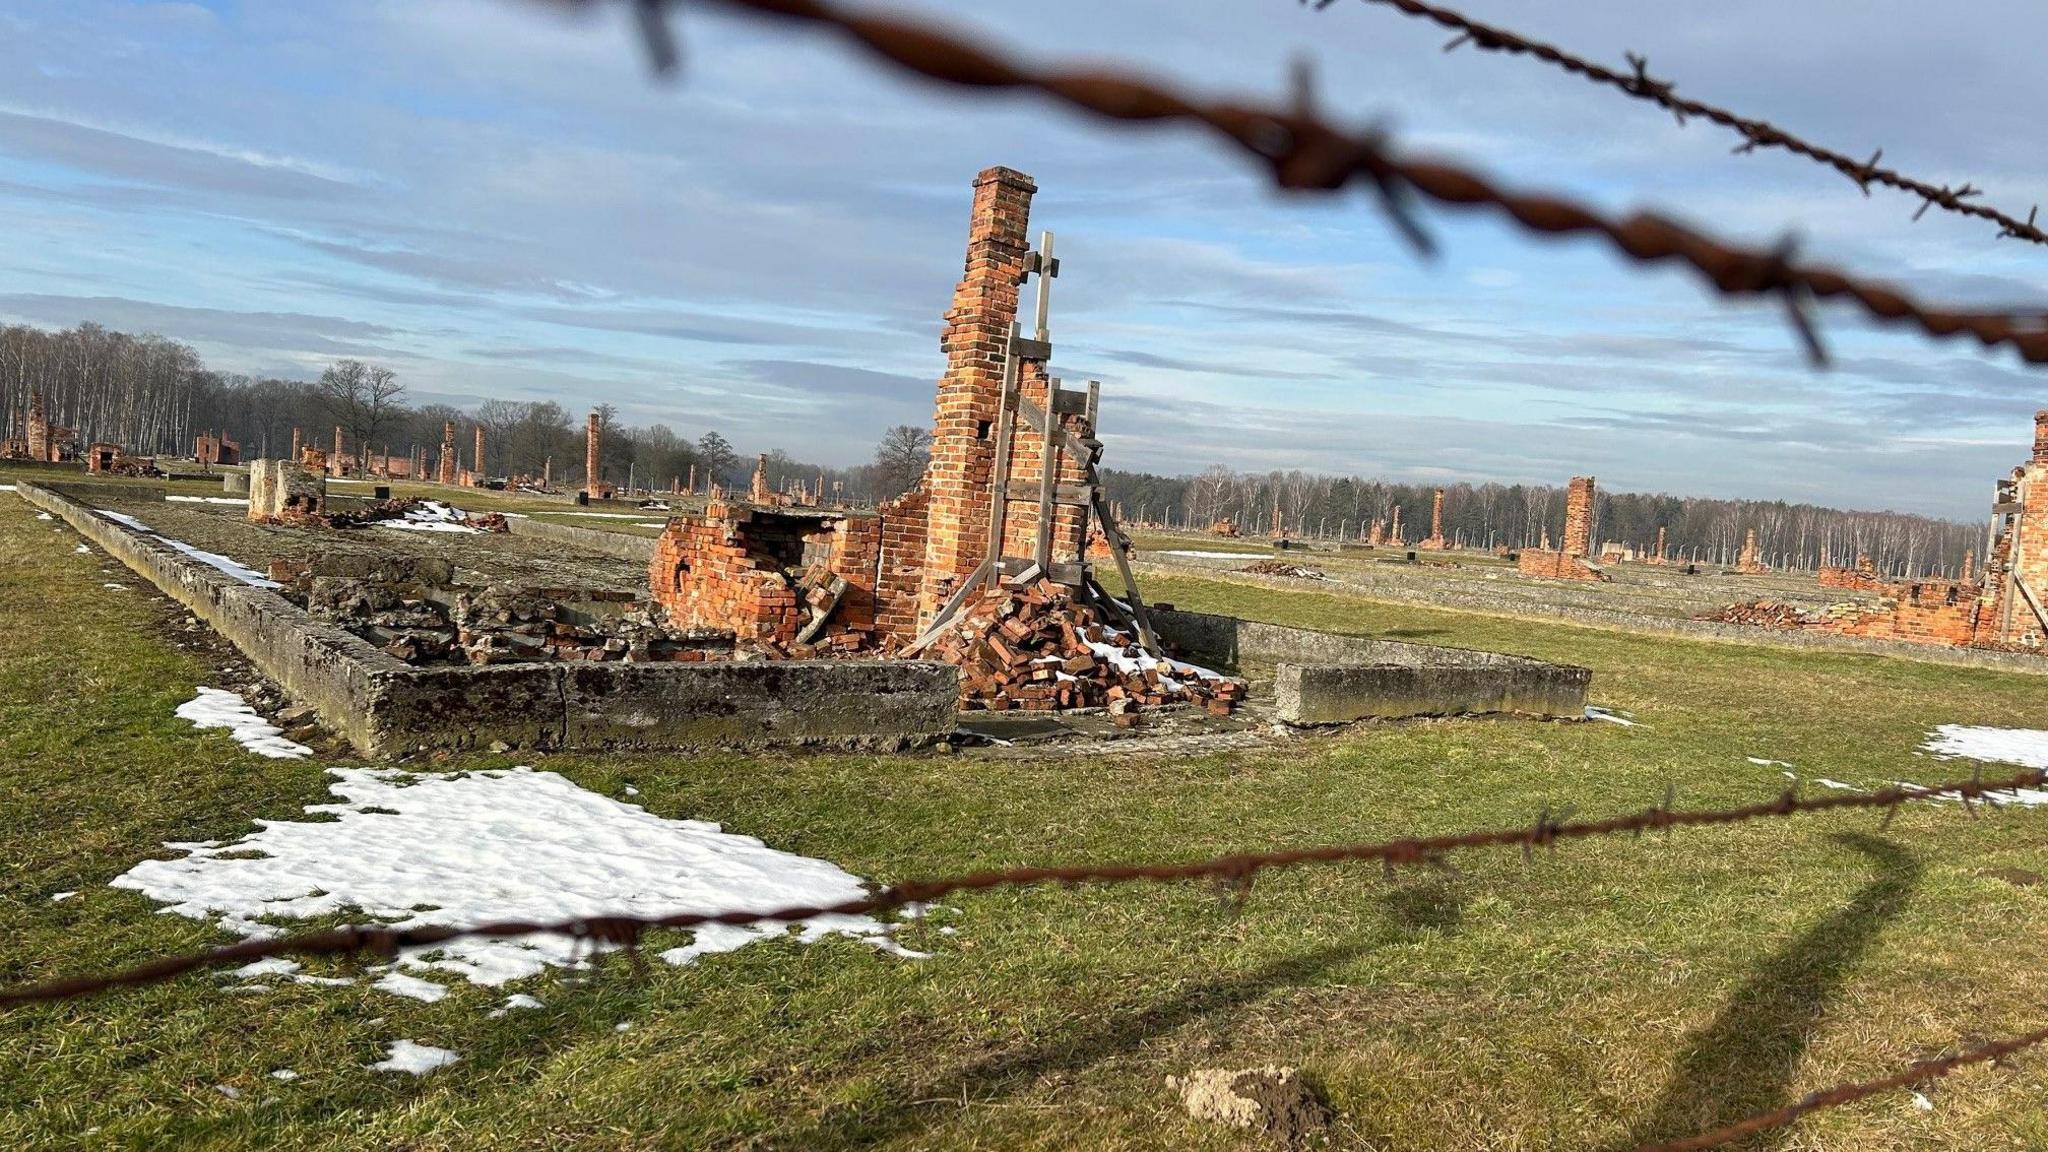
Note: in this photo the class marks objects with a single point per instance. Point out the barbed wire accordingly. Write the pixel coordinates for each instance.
(1638, 82)
(1840, 1094)
(1305, 152)
(1235, 873)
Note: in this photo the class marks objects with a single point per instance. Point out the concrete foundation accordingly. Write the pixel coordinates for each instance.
(385, 707)
(1326, 678)
(623, 545)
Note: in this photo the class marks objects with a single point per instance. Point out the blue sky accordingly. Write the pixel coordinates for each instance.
(498, 201)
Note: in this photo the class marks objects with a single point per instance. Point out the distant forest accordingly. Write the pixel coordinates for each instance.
(1517, 515)
(153, 395)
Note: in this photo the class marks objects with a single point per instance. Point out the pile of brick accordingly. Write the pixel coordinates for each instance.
(1759, 613)
(1035, 649)
(1283, 568)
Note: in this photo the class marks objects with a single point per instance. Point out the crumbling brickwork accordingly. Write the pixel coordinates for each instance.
(40, 448)
(477, 470)
(212, 448)
(766, 575)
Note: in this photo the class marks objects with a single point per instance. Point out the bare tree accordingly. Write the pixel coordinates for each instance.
(364, 399)
(900, 459)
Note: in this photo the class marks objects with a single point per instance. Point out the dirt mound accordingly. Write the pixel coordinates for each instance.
(1274, 1101)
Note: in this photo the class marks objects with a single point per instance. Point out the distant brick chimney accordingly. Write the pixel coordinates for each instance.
(1578, 517)
(448, 452)
(593, 432)
(2041, 436)
(478, 463)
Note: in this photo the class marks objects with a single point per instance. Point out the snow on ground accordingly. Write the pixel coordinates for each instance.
(1602, 714)
(82, 549)
(216, 708)
(513, 1002)
(211, 559)
(1760, 762)
(418, 1059)
(400, 984)
(60, 897)
(417, 850)
(283, 1074)
(6, 488)
(44, 516)
(432, 516)
(1212, 555)
(599, 515)
(2027, 747)
(1113, 651)
(242, 502)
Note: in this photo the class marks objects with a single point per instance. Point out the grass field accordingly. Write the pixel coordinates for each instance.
(1612, 992)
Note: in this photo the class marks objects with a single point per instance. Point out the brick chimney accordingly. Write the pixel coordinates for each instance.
(38, 429)
(448, 452)
(975, 342)
(1578, 517)
(334, 465)
(295, 446)
(757, 488)
(593, 431)
(2041, 436)
(478, 463)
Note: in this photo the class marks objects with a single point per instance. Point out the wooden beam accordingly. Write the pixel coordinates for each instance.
(1048, 475)
(1071, 495)
(946, 610)
(1115, 533)
(999, 488)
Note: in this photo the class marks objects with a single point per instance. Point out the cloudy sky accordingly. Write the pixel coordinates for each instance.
(499, 201)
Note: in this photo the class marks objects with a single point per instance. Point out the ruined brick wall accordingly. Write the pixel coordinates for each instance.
(900, 566)
(975, 342)
(1578, 517)
(1937, 612)
(738, 568)
(1862, 578)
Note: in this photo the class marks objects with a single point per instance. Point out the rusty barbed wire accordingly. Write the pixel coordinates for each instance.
(1844, 1093)
(1305, 152)
(1638, 82)
(1236, 872)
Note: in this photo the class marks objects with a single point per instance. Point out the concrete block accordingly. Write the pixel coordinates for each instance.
(280, 486)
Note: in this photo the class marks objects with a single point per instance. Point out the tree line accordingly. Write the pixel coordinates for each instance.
(1489, 516)
(154, 395)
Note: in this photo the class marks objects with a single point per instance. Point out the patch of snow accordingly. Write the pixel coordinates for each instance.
(632, 791)
(495, 844)
(1197, 555)
(1837, 785)
(1603, 715)
(60, 897)
(418, 1059)
(215, 708)
(400, 984)
(244, 501)
(1763, 763)
(1922, 1102)
(623, 1027)
(123, 519)
(82, 550)
(269, 966)
(229, 1091)
(2027, 747)
(1117, 651)
(7, 488)
(650, 523)
(283, 1074)
(515, 1001)
(212, 559)
(599, 515)
(433, 516)
(44, 516)
(115, 587)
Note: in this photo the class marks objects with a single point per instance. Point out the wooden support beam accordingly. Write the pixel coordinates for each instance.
(1115, 533)
(1000, 482)
(1048, 476)
(947, 610)
(1069, 495)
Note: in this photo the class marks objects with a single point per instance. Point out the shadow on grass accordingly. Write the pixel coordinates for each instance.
(895, 1109)
(1741, 1062)
(1411, 633)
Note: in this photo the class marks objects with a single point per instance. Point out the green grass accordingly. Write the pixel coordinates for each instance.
(1612, 991)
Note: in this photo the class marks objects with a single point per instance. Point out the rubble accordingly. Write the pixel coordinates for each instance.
(1760, 613)
(1036, 649)
(1283, 568)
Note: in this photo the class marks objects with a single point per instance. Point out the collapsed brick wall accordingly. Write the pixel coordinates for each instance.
(900, 566)
(750, 570)
(1935, 612)
(216, 449)
(1555, 565)
(1862, 578)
